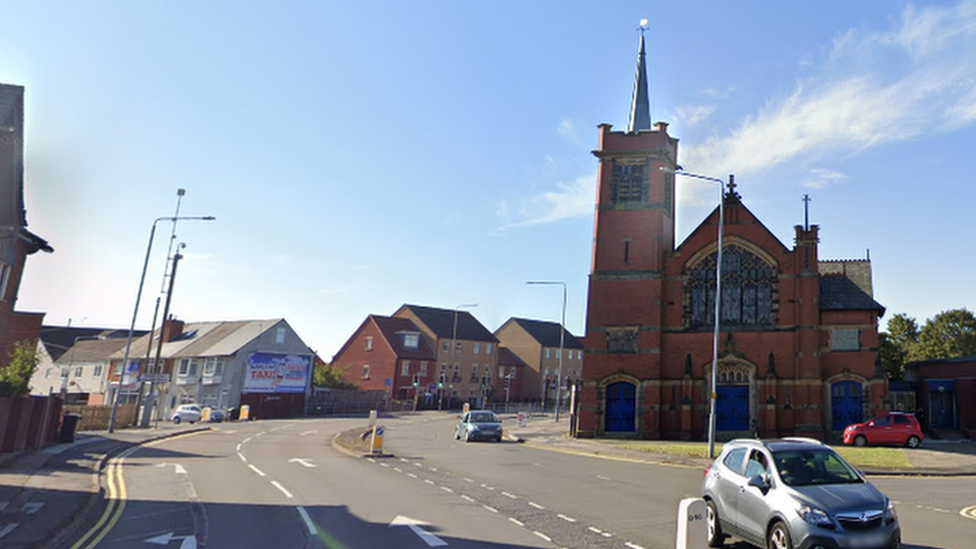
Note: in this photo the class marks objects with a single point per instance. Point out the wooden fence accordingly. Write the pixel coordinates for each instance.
(96, 418)
(28, 423)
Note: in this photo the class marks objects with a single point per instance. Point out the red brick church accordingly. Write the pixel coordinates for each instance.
(798, 336)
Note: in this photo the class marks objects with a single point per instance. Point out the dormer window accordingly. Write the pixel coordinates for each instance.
(411, 340)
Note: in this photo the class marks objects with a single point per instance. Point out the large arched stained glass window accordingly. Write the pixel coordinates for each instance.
(748, 285)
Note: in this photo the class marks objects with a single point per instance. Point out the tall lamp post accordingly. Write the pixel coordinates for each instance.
(454, 330)
(562, 337)
(718, 300)
(135, 311)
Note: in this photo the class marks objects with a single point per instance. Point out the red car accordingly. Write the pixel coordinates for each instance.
(899, 428)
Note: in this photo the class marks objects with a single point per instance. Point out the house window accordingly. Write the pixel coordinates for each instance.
(411, 341)
(447, 345)
(4, 279)
(280, 336)
(213, 366)
(116, 370)
(845, 339)
(78, 370)
(512, 372)
(369, 343)
(47, 373)
(458, 346)
(748, 283)
(477, 347)
(474, 372)
(188, 367)
(405, 368)
(501, 371)
(97, 372)
(548, 351)
(487, 348)
(366, 371)
(627, 184)
(423, 369)
(456, 376)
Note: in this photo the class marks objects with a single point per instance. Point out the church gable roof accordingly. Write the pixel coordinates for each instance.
(839, 293)
(741, 215)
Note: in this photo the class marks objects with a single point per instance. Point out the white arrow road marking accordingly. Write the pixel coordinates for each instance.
(186, 542)
(303, 461)
(430, 539)
(177, 468)
(31, 508)
(307, 433)
(969, 512)
(7, 529)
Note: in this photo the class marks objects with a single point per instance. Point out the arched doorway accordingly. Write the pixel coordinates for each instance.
(621, 407)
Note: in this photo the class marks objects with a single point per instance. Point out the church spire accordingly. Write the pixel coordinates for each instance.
(640, 105)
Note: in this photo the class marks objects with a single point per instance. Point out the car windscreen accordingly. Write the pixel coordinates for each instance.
(813, 467)
(487, 417)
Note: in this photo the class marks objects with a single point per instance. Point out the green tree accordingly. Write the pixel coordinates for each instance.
(327, 375)
(898, 345)
(15, 376)
(948, 334)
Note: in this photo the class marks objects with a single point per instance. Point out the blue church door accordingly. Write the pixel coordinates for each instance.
(621, 406)
(847, 403)
(732, 408)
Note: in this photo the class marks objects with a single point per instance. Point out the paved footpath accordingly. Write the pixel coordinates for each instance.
(44, 493)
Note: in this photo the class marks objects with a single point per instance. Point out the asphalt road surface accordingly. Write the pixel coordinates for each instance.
(281, 484)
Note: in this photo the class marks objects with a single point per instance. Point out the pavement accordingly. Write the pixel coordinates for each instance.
(45, 495)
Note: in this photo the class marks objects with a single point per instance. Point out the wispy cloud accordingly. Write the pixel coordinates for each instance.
(569, 200)
(820, 178)
(566, 128)
(694, 114)
(718, 94)
(875, 87)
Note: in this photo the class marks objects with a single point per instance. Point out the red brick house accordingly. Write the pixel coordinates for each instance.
(798, 335)
(389, 354)
(16, 242)
(511, 376)
(537, 343)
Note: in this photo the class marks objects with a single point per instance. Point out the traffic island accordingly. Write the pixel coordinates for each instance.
(356, 442)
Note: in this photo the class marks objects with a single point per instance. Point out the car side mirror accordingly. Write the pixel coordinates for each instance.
(870, 424)
(759, 482)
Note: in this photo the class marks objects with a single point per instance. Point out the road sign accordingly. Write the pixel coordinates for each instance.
(154, 378)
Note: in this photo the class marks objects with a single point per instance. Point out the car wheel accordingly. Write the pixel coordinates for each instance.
(913, 442)
(779, 537)
(860, 440)
(498, 438)
(176, 420)
(715, 537)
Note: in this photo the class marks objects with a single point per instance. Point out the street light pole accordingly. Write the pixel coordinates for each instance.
(562, 342)
(454, 330)
(718, 301)
(135, 311)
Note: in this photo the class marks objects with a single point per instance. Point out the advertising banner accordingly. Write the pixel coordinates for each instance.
(277, 373)
(131, 374)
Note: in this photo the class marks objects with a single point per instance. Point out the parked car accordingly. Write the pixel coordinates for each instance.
(794, 492)
(900, 428)
(187, 412)
(479, 424)
(217, 415)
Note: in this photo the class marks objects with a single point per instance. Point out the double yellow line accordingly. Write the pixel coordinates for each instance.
(117, 495)
(116, 503)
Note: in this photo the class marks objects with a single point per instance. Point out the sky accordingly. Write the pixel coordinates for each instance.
(362, 155)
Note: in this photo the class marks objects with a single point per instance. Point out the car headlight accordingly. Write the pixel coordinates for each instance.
(814, 516)
(472, 427)
(890, 514)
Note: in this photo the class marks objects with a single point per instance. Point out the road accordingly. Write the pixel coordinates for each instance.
(281, 484)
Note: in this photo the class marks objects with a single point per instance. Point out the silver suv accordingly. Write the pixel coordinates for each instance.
(795, 492)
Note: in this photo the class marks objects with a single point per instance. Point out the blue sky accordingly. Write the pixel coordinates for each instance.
(362, 155)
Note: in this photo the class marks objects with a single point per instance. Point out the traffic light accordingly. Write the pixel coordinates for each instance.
(440, 382)
(508, 381)
(416, 381)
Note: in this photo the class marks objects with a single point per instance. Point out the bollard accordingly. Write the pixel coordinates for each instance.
(376, 442)
(692, 524)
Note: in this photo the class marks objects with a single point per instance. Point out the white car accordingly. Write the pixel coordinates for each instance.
(187, 412)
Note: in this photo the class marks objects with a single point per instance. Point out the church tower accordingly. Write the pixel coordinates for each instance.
(633, 234)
